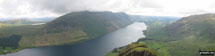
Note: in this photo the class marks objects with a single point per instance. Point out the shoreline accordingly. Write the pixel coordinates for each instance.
(71, 43)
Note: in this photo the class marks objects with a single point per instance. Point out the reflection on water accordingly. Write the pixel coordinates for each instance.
(96, 47)
(38, 23)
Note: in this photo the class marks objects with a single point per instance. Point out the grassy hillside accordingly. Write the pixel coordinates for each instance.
(201, 27)
(134, 49)
(10, 36)
(75, 27)
(3, 25)
(11, 33)
(68, 29)
(183, 37)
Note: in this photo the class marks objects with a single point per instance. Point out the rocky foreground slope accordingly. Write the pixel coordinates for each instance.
(134, 49)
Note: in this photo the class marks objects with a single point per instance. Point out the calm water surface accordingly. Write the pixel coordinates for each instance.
(96, 47)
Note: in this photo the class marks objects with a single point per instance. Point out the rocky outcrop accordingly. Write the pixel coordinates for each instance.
(137, 49)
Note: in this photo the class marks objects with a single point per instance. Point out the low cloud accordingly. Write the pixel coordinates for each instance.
(54, 8)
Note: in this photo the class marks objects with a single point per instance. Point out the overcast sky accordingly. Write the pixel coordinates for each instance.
(54, 8)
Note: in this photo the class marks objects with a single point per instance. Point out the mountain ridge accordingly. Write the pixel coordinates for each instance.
(76, 26)
(185, 36)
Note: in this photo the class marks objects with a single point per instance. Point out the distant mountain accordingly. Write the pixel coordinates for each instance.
(26, 20)
(5, 19)
(152, 19)
(75, 27)
(19, 22)
(154, 22)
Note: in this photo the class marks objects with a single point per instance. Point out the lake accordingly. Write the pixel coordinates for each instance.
(95, 47)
